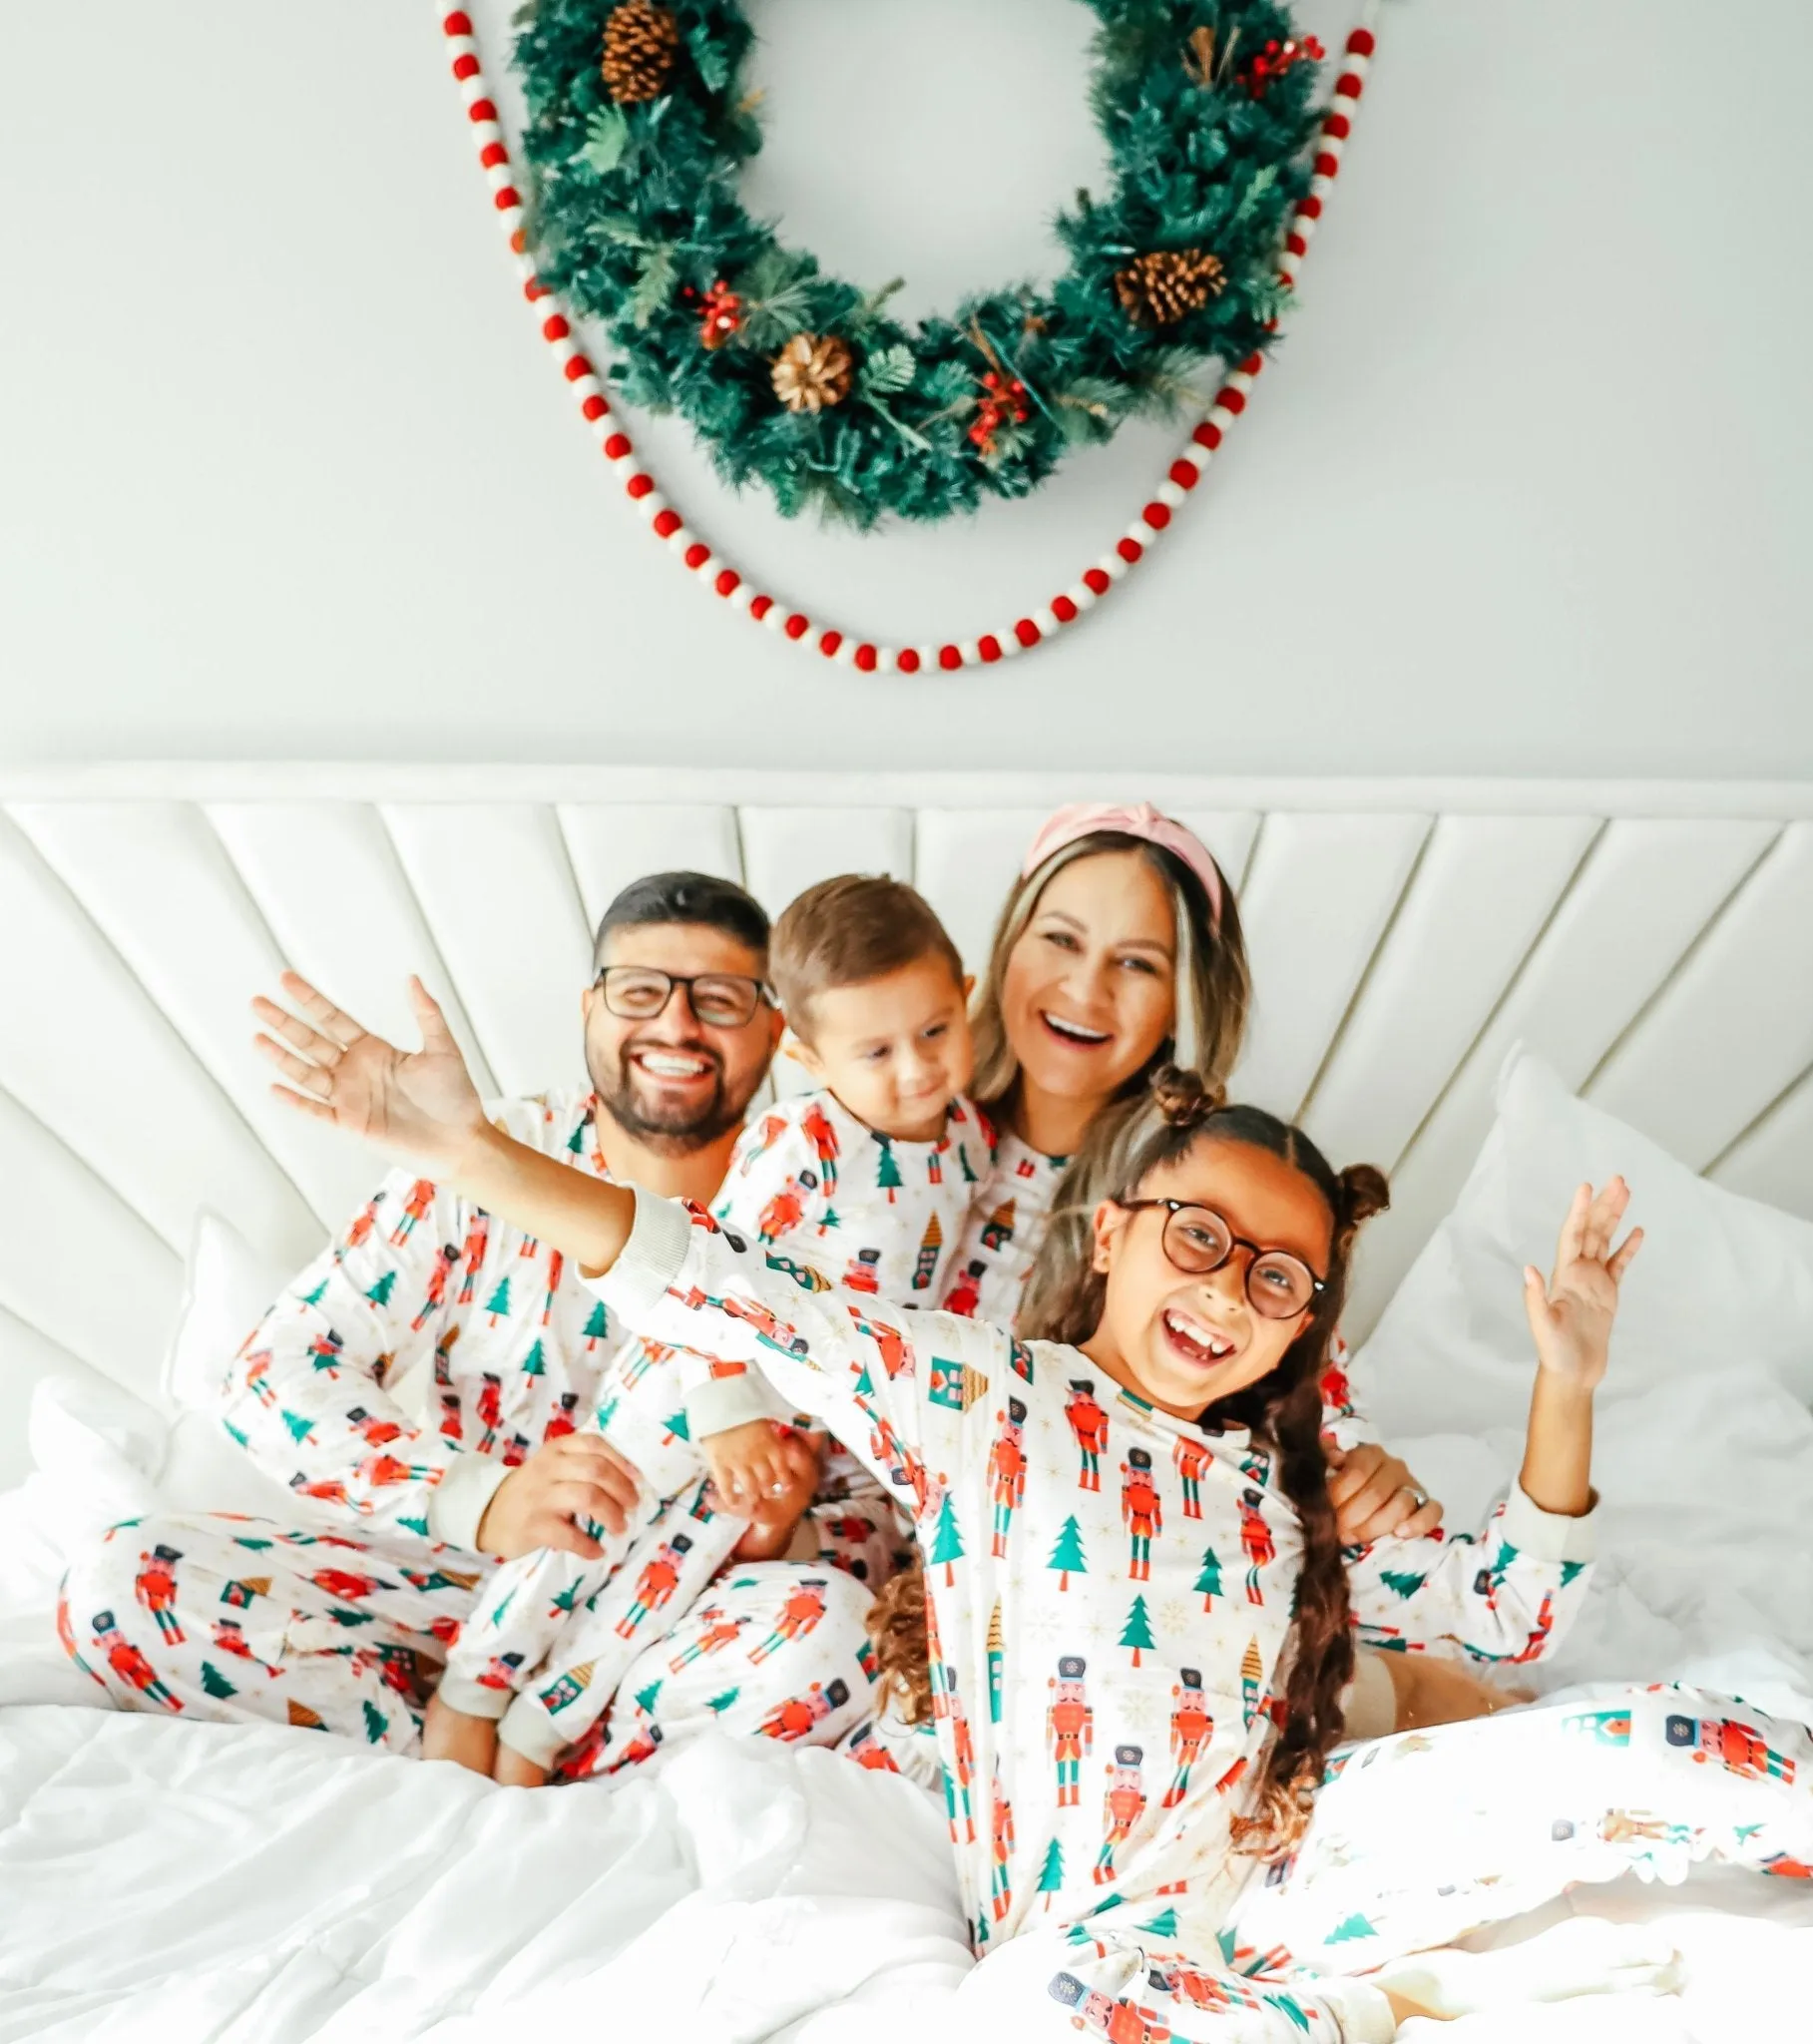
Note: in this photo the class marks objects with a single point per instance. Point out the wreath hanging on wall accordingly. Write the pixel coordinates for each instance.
(638, 130)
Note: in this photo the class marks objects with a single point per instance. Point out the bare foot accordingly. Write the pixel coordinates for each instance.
(451, 1734)
(514, 1772)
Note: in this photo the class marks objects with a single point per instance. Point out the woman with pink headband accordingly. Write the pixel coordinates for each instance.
(1118, 949)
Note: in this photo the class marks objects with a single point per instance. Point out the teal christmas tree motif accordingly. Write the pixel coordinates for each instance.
(376, 1723)
(379, 1294)
(215, 1682)
(644, 1698)
(887, 1172)
(414, 1523)
(533, 1364)
(1209, 1581)
(1067, 1554)
(1051, 1874)
(1404, 1583)
(1138, 1631)
(947, 1545)
(597, 1326)
(499, 1303)
(721, 1704)
(315, 1296)
(1165, 1924)
(300, 1426)
(1349, 1929)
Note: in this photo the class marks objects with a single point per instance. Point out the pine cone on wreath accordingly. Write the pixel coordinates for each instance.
(814, 370)
(1167, 285)
(641, 42)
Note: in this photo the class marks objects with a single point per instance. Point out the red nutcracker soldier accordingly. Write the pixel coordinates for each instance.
(1192, 1727)
(657, 1583)
(815, 1126)
(1070, 1726)
(325, 1353)
(1001, 1893)
(641, 1748)
(453, 1427)
(1088, 1422)
(799, 1616)
(154, 1586)
(563, 1422)
(1006, 1471)
(445, 1257)
(421, 1197)
(1141, 1512)
(1195, 1989)
(362, 1223)
(1544, 1624)
(781, 1215)
(257, 1377)
(229, 1638)
(770, 1131)
(1120, 2021)
(129, 1663)
(350, 1588)
(889, 1343)
(478, 1234)
(500, 1672)
(1738, 1746)
(1256, 1543)
(490, 1411)
(961, 1771)
(859, 1275)
(377, 1433)
(796, 1717)
(329, 1490)
(1121, 1807)
(556, 1265)
(966, 1291)
(716, 1631)
(380, 1472)
(1337, 1392)
(1192, 1460)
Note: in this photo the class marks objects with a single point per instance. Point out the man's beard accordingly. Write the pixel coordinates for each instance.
(673, 1128)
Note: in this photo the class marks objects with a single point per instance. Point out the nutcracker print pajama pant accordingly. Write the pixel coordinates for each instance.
(226, 1619)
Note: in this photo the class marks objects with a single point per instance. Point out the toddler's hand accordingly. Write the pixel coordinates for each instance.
(1570, 1316)
(451, 1734)
(754, 1467)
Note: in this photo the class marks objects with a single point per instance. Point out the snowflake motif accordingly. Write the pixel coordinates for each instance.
(1177, 1617)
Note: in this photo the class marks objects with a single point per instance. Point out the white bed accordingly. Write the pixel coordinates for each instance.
(1653, 944)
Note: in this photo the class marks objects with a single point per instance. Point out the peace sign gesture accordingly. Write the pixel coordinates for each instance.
(1570, 1316)
(418, 1104)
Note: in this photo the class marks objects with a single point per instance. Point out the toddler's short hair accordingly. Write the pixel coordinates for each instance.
(843, 932)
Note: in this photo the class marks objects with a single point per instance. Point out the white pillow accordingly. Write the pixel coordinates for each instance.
(1721, 1281)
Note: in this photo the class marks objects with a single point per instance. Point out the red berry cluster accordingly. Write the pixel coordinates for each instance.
(1001, 400)
(1278, 58)
(720, 313)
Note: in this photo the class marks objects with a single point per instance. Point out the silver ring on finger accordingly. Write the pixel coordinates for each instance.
(1419, 1497)
(777, 1490)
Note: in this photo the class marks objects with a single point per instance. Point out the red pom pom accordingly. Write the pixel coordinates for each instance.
(1026, 631)
(519, 242)
(1099, 578)
(481, 110)
(1310, 207)
(555, 328)
(1362, 43)
(666, 523)
(1253, 364)
(1130, 550)
(1327, 166)
(640, 484)
(1297, 244)
(1339, 126)
(1064, 610)
(907, 661)
(760, 607)
(509, 200)
(1349, 86)
(595, 406)
(458, 23)
(989, 647)
(1231, 399)
(1185, 474)
(728, 578)
(617, 446)
(1157, 515)
(828, 643)
(577, 367)
(696, 555)
(865, 658)
(797, 625)
(948, 658)
(493, 154)
(1207, 435)
(465, 67)
(535, 289)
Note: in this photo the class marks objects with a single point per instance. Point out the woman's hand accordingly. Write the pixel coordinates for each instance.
(1570, 1316)
(419, 1105)
(1375, 1495)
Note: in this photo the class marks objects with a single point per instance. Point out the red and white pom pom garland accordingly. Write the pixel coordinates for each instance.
(844, 648)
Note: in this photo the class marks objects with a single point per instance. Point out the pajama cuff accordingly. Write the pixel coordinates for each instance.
(1361, 2010)
(527, 1729)
(723, 1402)
(649, 1261)
(1369, 1703)
(472, 1698)
(1550, 1536)
(457, 1504)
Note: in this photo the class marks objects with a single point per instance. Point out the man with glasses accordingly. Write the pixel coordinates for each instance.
(415, 1389)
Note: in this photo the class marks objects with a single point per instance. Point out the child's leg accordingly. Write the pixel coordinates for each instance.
(1421, 1838)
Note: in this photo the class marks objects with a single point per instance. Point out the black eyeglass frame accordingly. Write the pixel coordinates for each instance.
(759, 993)
(1172, 1207)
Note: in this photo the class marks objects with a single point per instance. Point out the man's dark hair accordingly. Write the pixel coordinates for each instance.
(685, 898)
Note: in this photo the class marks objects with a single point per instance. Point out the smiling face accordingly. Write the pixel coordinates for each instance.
(1090, 989)
(1185, 1342)
(669, 1079)
(894, 1050)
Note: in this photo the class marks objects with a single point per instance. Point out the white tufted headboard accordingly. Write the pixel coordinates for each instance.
(1653, 942)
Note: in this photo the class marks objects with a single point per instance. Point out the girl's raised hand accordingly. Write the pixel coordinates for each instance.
(1570, 1316)
(419, 1105)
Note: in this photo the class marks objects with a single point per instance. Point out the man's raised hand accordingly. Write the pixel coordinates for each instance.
(418, 1104)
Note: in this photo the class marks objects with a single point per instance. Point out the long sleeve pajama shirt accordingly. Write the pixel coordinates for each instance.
(1107, 1616)
(429, 1349)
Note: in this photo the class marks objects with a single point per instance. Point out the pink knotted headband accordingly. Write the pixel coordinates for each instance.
(1080, 819)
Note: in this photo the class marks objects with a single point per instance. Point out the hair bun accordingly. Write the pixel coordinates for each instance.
(1365, 1191)
(1182, 1098)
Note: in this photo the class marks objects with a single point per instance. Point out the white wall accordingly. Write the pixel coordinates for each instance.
(283, 472)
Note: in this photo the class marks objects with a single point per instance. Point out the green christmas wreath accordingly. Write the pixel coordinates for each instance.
(638, 126)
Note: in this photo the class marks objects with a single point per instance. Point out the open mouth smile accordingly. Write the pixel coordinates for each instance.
(1073, 1033)
(673, 1067)
(1195, 1339)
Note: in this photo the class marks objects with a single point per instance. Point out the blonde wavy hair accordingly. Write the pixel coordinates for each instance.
(1214, 994)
